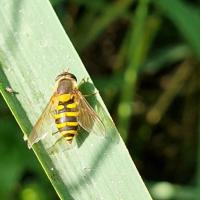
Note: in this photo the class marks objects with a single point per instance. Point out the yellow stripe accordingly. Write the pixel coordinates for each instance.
(72, 114)
(71, 105)
(60, 107)
(64, 97)
(64, 133)
(58, 116)
(67, 124)
(69, 137)
(66, 114)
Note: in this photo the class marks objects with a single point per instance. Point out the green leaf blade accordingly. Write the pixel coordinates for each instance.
(185, 18)
(34, 49)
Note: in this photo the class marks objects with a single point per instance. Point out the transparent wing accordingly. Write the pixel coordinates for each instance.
(88, 118)
(41, 128)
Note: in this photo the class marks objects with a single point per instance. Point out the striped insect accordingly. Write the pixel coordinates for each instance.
(67, 110)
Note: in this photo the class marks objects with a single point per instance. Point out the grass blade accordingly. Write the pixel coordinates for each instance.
(34, 49)
(135, 57)
(185, 18)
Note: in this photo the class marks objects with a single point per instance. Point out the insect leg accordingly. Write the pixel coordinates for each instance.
(53, 133)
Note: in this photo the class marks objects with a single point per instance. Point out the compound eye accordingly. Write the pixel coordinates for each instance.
(73, 76)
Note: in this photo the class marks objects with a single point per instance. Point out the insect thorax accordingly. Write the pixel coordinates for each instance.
(65, 86)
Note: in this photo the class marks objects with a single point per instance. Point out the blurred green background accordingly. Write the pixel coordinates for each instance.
(143, 57)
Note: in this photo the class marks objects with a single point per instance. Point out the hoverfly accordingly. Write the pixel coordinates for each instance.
(67, 110)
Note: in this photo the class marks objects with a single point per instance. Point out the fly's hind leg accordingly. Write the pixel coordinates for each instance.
(54, 129)
(55, 132)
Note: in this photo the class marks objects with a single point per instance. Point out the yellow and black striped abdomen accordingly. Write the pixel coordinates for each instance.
(66, 117)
